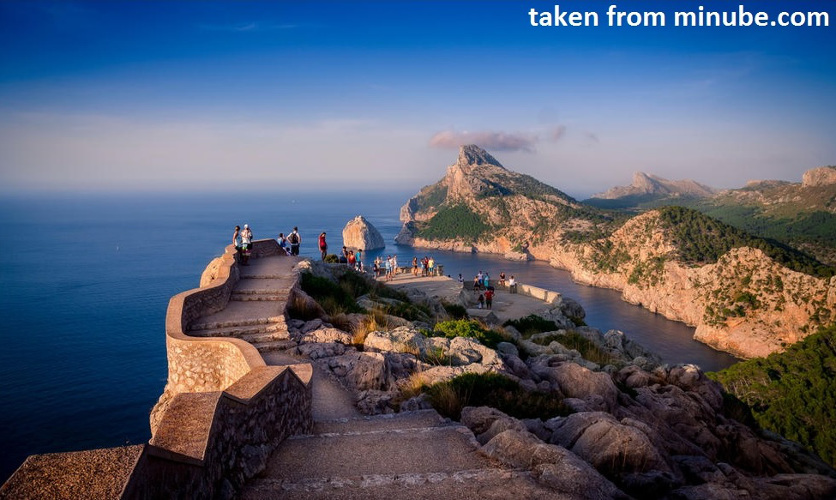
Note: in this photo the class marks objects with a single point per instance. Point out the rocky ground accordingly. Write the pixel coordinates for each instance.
(634, 428)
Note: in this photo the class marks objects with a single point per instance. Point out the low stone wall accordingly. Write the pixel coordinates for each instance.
(548, 296)
(222, 413)
(207, 445)
(198, 364)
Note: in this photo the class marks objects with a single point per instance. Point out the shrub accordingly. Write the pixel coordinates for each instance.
(531, 324)
(494, 390)
(792, 393)
(455, 311)
(457, 221)
(333, 297)
(469, 328)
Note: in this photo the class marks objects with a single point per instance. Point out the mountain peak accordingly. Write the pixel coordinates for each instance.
(472, 155)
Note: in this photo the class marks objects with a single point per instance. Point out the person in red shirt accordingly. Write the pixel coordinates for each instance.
(323, 246)
(489, 297)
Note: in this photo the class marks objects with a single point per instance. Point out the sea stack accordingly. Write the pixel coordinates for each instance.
(360, 234)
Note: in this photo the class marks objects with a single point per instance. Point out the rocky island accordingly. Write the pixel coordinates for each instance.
(743, 294)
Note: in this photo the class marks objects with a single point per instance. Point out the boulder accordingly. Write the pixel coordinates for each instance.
(551, 465)
(360, 234)
(611, 447)
(401, 339)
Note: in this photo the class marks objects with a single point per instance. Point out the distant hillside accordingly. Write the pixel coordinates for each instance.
(744, 294)
(647, 188)
(802, 215)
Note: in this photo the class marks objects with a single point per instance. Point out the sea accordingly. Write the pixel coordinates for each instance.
(86, 278)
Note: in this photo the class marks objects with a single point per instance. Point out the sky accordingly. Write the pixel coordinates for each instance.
(272, 95)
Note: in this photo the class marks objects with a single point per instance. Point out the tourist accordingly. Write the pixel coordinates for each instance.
(295, 240)
(323, 245)
(477, 281)
(486, 280)
(283, 244)
(352, 259)
(461, 279)
(246, 245)
(512, 284)
(488, 298)
(481, 301)
(425, 264)
(415, 265)
(431, 266)
(502, 279)
(235, 238)
(394, 265)
(358, 255)
(388, 267)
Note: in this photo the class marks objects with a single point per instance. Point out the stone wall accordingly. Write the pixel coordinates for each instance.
(221, 415)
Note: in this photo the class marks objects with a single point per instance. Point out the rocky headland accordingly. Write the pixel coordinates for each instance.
(742, 294)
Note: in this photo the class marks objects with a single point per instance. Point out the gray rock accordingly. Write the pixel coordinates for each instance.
(326, 334)
(612, 448)
(551, 465)
(401, 339)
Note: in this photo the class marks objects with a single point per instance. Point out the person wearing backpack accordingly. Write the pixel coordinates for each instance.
(295, 240)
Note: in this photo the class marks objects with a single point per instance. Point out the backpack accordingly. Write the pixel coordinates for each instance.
(293, 238)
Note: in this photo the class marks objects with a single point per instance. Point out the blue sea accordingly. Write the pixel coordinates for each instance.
(86, 278)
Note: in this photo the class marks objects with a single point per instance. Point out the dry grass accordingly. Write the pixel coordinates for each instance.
(375, 321)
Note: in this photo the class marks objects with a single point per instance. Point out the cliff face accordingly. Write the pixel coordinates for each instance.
(742, 302)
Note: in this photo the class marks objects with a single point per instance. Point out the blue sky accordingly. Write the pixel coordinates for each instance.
(270, 95)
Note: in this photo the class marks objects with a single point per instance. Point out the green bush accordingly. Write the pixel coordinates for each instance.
(333, 297)
(531, 324)
(469, 328)
(496, 391)
(792, 393)
(455, 311)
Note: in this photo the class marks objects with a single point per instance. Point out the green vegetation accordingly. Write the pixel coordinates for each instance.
(701, 239)
(574, 340)
(792, 393)
(496, 391)
(340, 297)
(455, 311)
(335, 298)
(451, 222)
(469, 328)
(531, 324)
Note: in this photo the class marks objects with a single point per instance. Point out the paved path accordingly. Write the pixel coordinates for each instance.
(505, 305)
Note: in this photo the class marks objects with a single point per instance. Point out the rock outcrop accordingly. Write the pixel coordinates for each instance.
(822, 176)
(745, 303)
(647, 185)
(360, 234)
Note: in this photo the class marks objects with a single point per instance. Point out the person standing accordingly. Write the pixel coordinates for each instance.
(512, 285)
(323, 245)
(295, 240)
(283, 244)
(488, 298)
(358, 255)
(236, 238)
(246, 244)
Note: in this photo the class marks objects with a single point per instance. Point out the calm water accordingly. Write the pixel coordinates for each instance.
(85, 282)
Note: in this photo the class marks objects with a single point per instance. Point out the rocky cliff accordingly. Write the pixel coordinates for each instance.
(740, 298)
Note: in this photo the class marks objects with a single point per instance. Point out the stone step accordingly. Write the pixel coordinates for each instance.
(271, 296)
(218, 325)
(420, 419)
(393, 451)
(253, 338)
(274, 345)
(485, 483)
(242, 331)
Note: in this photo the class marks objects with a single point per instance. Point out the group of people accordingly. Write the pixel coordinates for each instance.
(482, 282)
(425, 266)
(389, 266)
(242, 240)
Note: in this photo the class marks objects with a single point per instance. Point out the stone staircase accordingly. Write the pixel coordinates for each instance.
(256, 309)
(410, 455)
